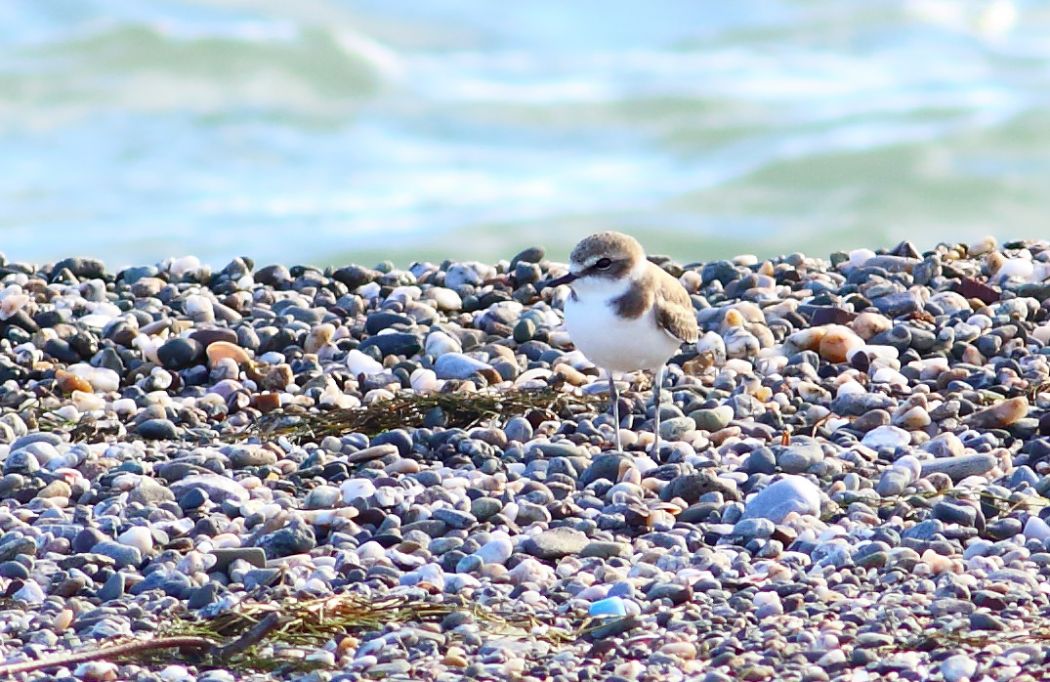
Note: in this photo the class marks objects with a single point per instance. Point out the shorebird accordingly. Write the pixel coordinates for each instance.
(625, 313)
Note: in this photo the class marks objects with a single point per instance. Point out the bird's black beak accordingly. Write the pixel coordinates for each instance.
(564, 279)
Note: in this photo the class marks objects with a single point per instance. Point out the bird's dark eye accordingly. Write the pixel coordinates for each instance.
(603, 264)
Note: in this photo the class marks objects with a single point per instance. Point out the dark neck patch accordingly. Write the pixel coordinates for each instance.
(633, 303)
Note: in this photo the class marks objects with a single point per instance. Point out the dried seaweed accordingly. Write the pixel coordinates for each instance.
(295, 624)
(409, 410)
(277, 635)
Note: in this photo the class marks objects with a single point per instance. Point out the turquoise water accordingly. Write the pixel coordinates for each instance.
(323, 131)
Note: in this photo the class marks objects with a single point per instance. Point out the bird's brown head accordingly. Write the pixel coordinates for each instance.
(604, 256)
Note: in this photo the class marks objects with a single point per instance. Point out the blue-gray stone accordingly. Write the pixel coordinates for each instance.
(458, 366)
(39, 437)
(754, 528)
(204, 596)
(800, 455)
(858, 404)
(123, 555)
(296, 538)
(455, 518)
(113, 588)
(924, 530)
(674, 428)
(958, 468)
(158, 429)
(397, 343)
(399, 438)
(519, 429)
(760, 461)
(950, 512)
(21, 462)
(896, 304)
(261, 577)
(15, 544)
(14, 570)
(218, 488)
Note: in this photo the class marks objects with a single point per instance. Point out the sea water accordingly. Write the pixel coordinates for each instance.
(321, 131)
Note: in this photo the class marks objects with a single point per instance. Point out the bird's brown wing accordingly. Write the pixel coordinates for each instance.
(674, 309)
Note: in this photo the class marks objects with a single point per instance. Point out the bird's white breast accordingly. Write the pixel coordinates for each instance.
(608, 340)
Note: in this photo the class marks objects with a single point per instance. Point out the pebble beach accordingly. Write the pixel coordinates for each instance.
(851, 485)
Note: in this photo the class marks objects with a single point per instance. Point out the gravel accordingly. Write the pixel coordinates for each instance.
(852, 483)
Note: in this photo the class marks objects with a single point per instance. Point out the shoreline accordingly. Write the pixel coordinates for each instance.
(852, 479)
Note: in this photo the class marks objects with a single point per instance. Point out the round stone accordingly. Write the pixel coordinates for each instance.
(180, 353)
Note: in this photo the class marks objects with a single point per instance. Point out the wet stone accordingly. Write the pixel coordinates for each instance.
(158, 429)
(180, 353)
(393, 344)
(295, 539)
(955, 513)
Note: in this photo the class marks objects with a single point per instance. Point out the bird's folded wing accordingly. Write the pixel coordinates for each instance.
(674, 314)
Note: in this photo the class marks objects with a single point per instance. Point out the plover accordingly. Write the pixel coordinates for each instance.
(625, 313)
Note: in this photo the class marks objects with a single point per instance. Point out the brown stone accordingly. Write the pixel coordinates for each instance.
(68, 382)
(219, 350)
(971, 288)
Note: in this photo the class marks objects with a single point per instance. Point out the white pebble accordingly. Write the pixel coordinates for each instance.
(850, 388)
(12, 303)
(532, 571)
(858, 257)
(102, 380)
(96, 671)
(438, 343)
(1019, 268)
(356, 488)
(68, 413)
(446, 298)
(138, 537)
(180, 266)
(176, 673)
(713, 344)
(371, 551)
(886, 437)
(496, 550)
(359, 363)
(909, 464)
(789, 494)
(124, 406)
(196, 306)
(88, 402)
(958, 668)
(424, 381)
(1041, 333)
(768, 604)
(370, 290)
(887, 375)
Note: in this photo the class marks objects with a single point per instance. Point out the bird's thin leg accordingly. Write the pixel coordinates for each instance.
(615, 397)
(658, 381)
